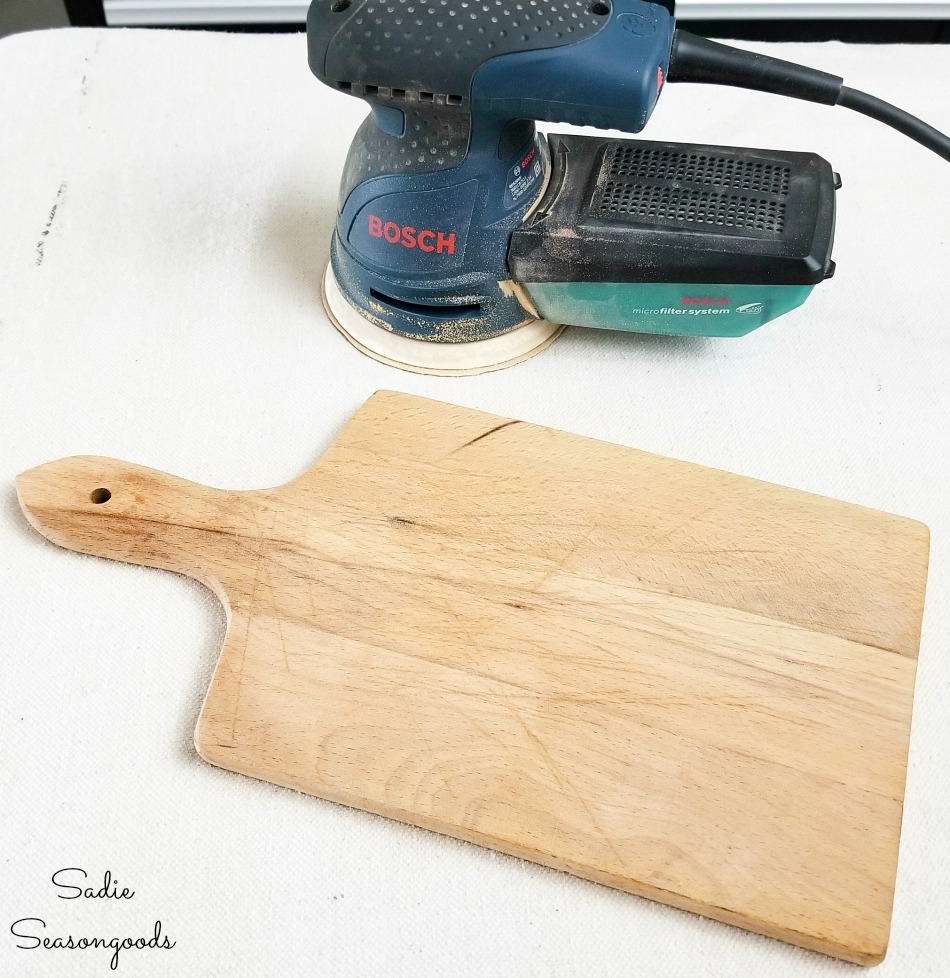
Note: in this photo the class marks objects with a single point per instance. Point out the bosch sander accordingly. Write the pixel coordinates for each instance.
(465, 240)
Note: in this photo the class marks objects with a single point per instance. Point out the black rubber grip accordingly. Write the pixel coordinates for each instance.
(437, 46)
(696, 59)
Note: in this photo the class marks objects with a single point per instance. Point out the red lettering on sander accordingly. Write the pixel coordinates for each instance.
(705, 300)
(441, 242)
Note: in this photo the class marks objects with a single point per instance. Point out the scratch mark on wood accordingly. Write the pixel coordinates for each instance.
(401, 521)
(491, 431)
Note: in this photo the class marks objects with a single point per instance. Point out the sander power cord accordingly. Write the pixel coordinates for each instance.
(699, 60)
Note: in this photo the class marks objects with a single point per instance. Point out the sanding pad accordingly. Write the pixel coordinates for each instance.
(426, 357)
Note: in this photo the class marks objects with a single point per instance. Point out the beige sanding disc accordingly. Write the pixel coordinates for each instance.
(426, 357)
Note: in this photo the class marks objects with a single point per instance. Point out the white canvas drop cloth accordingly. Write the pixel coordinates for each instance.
(166, 202)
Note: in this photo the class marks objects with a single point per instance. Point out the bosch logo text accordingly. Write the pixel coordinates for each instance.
(441, 242)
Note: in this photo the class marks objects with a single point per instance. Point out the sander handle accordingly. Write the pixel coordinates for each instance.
(595, 63)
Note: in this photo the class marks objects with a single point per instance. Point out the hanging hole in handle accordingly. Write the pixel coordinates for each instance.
(339, 6)
(99, 496)
(599, 8)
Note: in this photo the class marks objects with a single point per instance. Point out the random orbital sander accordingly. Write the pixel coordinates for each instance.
(466, 240)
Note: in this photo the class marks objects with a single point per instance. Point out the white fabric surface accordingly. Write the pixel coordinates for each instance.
(168, 313)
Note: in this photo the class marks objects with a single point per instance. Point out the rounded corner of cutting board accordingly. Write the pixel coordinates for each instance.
(870, 952)
(925, 536)
(208, 744)
(204, 746)
(874, 957)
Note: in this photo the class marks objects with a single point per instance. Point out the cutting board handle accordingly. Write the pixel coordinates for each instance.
(127, 512)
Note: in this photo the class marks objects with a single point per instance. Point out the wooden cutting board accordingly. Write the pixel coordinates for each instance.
(683, 683)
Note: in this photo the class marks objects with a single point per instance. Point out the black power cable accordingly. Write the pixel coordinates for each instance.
(697, 59)
(897, 119)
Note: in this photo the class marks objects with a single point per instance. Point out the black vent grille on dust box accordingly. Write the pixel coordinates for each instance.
(693, 187)
(624, 162)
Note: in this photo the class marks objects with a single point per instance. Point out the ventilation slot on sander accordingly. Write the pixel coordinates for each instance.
(428, 309)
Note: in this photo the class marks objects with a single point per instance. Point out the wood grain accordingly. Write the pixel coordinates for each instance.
(683, 683)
